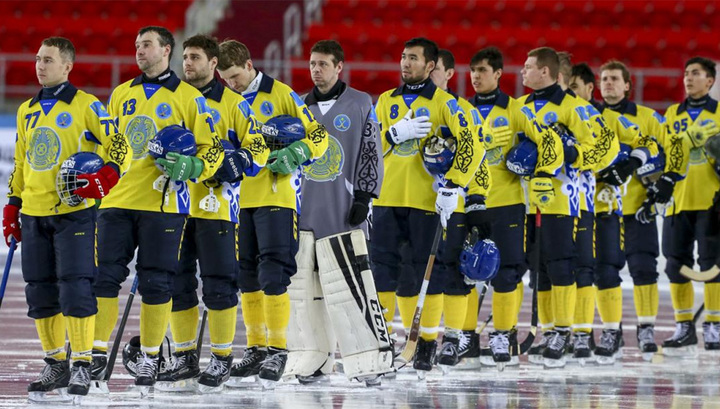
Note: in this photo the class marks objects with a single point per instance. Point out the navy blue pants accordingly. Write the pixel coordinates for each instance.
(558, 250)
(157, 238)
(508, 233)
(58, 264)
(584, 263)
(679, 235)
(212, 244)
(610, 258)
(641, 250)
(267, 245)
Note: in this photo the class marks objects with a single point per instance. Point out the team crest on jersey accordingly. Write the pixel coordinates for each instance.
(163, 111)
(342, 122)
(215, 115)
(329, 166)
(500, 121)
(63, 120)
(422, 111)
(139, 131)
(494, 156)
(267, 108)
(550, 117)
(407, 148)
(44, 149)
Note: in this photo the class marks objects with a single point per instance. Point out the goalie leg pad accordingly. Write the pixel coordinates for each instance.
(352, 302)
(310, 340)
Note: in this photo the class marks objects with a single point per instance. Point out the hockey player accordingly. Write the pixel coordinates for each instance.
(333, 264)
(641, 235)
(406, 208)
(59, 289)
(268, 217)
(148, 209)
(210, 234)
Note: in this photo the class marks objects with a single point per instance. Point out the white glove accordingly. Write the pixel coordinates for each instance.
(410, 128)
(446, 203)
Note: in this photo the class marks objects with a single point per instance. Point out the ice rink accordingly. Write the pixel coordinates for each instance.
(691, 383)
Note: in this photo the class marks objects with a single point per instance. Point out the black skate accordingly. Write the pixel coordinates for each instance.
(180, 376)
(98, 371)
(514, 348)
(535, 353)
(646, 341)
(55, 376)
(683, 342)
(424, 357)
(554, 353)
(711, 335)
(249, 366)
(582, 352)
(272, 367)
(449, 353)
(500, 348)
(147, 372)
(469, 351)
(609, 347)
(317, 377)
(79, 384)
(216, 374)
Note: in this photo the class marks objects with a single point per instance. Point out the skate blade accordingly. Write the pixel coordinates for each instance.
(554, 363)
(421, 375)
(487, 361)
(339, 368)
(268, 384)
(501, 366)
(536, 359)
(604, 360)
(77, 400)
(445, 369)
(206, 389)
(682, 352)
(61, 395)
(466, 364)
(647, 356)
(144, 390)
(372, 383)
(241, 381)
(514, 361)
(312, 380)
(99, 388)
(184, 385)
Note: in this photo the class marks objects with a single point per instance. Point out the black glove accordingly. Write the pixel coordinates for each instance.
(233, 165)
(570, 151)
(360, 207)
(662, 190)
(646, 213)
(618, 173)
(477, 216)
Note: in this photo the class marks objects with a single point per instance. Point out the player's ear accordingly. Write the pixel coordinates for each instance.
(340, 66)
(68, 67)
(213, 63)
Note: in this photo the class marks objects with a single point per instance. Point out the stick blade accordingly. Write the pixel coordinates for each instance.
(706, 275)
(409, 351)
(527, 343)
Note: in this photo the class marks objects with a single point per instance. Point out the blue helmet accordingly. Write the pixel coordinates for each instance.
(66, 180)
(281, 131)
(479, 259)
(522, 158)
(438, 154)
(652, 169)
(173, 138)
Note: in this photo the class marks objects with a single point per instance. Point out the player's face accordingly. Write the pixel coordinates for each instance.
(532, 74)
(238, 77)
(441, 75)
(581, 88)
(50, 67)
(197, 68)
(697, 83)
(613, 86)
(483, 78)
(413, 67)
(149, 54)
(323, 70)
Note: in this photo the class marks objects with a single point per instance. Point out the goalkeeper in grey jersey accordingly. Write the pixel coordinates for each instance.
(333, 298)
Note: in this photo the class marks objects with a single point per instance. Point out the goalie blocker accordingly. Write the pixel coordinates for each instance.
(338, 299)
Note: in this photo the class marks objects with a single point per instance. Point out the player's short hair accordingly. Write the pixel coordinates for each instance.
(618, 65)
(233, 52)
(707, 65)
(65, 46)
(447, 58)
(165, 37)
(430, 48)
(565, 64)
(547, 57)
(208, 43)
(584, 72)
(330, 47)
(493, 56)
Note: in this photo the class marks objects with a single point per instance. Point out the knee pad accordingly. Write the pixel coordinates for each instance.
(584, 277)
(607, 276)
(506, 279)
(560, 272)
(274, 270)
(672, 269)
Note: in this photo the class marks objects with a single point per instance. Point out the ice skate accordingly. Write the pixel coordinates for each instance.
(79, 384)
(711, 335)
(554, 353)
(646, 341)
(55, 376)
(450, 351)
(272, 367)
(683, 342)
(248, 368)
(535, 353)
(216, 374)
(98, 370)
(609, 347)
(500, 348)
(424, 357)
(147, 372)
(582, 353)
(316, 378)
(470, 358)
(181, 375)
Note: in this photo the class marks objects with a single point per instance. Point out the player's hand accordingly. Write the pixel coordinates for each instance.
(699, 134)
(542, 192)
(646, 213)
(360, 208)
(446, 203)
(232, 168)
(569, 150)
(618, 173)
(99, 183)
(286, 160)
(11, 223)
(409, 128)
(662, 190)
(476, 216)
(497, 137)
(180, 167)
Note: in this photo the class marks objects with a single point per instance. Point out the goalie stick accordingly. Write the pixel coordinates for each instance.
(528, 341)
(8, 264)
(695, 275)
(121, 329)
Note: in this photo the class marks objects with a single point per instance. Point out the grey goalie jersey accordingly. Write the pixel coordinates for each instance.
(352, 162)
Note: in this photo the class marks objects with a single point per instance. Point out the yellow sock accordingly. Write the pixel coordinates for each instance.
(646, 302)
(430, 318)
(503, 308)
(277, 318)
(584, 309)
(683, 299)
(253, 313)
(154, 320)
(387, 302)
(105, 321)
(519, 295)
(221, 324)
(80, 333)
(407, 305)
(454, 310)
(51, 332)
(609, 302)
(471, 315)
(712, 302)
(183, 325)
(563, 302)
(545, 310)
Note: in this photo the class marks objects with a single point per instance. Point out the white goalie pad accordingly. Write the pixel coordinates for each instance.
(310, 340)
(353, 305)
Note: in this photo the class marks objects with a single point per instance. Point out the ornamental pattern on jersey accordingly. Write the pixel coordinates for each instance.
(368, 173)
(44, 149)
(318, 134)
(547, 142)
(465, 151)
(118, 149)
(482, 177)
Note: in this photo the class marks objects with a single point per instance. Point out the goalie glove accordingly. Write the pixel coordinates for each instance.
(360, 208)
(618, 173)
(409, 128)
